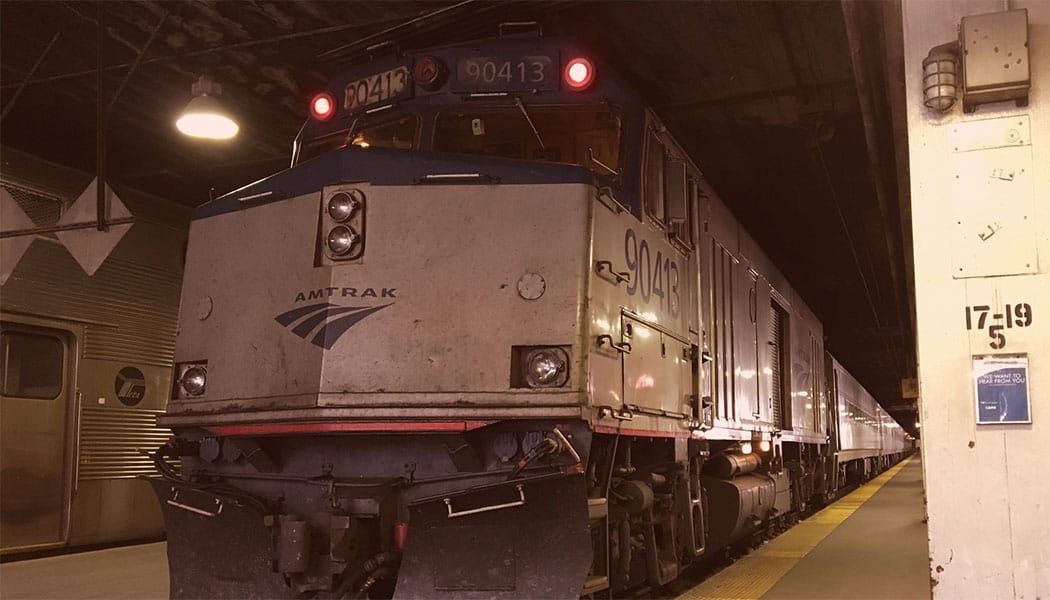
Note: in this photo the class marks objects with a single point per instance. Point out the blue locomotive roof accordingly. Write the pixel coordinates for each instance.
(386, 166)
(516, 74)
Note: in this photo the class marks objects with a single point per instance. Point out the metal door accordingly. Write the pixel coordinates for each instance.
(657, 372)
(34, 410)
(743, 342)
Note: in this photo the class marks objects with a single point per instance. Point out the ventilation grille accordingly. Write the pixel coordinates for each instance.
(776, 335)
(723, 332)
(132, 309)
(43, 210)
(110, 439)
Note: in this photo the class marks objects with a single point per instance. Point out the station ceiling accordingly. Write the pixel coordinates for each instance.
(793, 110)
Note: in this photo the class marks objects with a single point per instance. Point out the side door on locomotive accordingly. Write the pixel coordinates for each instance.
(648, 253)
(661, 320)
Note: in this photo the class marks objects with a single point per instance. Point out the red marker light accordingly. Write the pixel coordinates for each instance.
(322, 107)
(579, 74)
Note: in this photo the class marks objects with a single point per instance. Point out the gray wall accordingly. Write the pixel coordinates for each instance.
(987, 485)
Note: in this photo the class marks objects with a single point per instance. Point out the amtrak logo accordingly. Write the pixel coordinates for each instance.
(323, 324)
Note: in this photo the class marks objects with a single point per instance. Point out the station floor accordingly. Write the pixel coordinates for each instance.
(871, 544)
(126, 573)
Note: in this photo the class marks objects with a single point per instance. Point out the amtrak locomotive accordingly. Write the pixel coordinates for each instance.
(491, 335)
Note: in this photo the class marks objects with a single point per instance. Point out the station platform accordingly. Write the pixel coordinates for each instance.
(125, 573)
(870, 544)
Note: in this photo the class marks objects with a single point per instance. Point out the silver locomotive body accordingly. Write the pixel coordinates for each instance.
(409, 367)
(86, 366)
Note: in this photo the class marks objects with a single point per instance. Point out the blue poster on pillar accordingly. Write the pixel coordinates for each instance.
(1001, 384)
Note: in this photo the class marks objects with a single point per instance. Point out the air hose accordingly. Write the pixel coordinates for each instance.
(369, 567)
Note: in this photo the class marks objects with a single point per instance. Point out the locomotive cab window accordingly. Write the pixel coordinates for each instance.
(682, 231)
(398, 133)
(655, 157)
(401, 133)
(670, 191)
(32, 365)
(589, 137)
(322, 145)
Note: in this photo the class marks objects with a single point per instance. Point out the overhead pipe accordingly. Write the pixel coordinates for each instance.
(29, 77)
(201, 52)
(854, 34)
(100, 126)
(365, 42)
(138, 61)
(102, 112)
(13, 233)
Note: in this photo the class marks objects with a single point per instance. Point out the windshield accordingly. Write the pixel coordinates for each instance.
(392, 133)
(586, 136)
(551, 134)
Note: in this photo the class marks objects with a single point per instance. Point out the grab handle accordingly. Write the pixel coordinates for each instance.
(606, 341)
(457, 178)
(604, 269)
(193, 509)
(473, 511)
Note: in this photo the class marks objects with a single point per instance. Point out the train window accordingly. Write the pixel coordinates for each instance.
(32, 365)
(683, 232)
(400, 133)
(655, 156)
(589, 137)
(323, 145)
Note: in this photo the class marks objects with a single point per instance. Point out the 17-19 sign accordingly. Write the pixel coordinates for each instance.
(1013, 315)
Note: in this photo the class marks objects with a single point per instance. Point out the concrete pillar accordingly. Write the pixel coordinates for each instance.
(980, 192)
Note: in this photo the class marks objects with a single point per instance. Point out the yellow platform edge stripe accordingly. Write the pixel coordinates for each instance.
(751, 577)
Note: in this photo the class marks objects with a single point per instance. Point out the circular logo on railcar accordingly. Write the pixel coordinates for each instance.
(130, 386)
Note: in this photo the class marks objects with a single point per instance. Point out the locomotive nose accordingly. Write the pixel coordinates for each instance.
(389, 295)
(430, 329)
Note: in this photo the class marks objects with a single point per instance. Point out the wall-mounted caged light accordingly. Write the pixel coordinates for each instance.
(989, 62)
(940, 79)
(204, 116)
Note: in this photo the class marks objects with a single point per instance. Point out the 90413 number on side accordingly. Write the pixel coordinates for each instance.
(652, 277)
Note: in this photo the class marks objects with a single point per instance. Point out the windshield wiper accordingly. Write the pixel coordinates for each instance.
(525, 113)
(594, 160)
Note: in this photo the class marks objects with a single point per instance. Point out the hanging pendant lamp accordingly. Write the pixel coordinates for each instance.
(204, 116)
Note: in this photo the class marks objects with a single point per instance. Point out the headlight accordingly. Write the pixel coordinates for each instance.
(341, 236)
(342, 206)
(546, 367)
(193, 380)
(340, 240)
